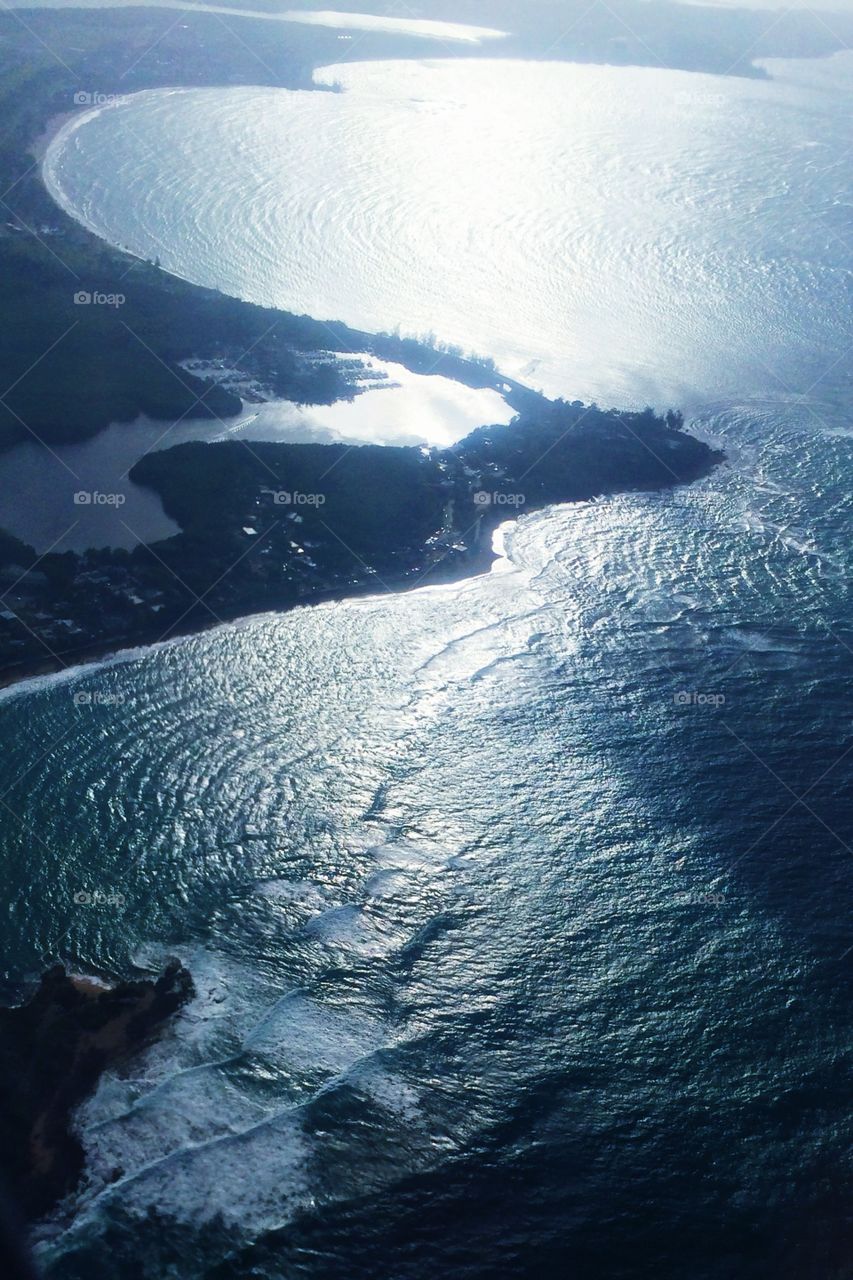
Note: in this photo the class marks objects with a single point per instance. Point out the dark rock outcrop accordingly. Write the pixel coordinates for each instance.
(53, 1050)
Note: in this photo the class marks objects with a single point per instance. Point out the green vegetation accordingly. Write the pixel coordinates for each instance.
(273, 525)
(68, 369)
(567, 452)
(264, 525)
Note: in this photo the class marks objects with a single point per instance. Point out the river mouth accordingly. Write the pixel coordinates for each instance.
(78, 496)
(364, 235)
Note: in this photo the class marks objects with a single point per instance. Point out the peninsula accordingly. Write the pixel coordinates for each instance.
(263, 526)
(270, 526)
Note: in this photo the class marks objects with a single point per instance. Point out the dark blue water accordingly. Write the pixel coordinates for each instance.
(519, 909)
(515, 947)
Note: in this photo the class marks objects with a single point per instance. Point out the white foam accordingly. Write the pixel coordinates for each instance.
(190, 1108)
(408, 855)
(208, 1182)
(387, 883)
(350, 929)
(387, 1088)
(301, 893)
(757, 642)
(307, 1034)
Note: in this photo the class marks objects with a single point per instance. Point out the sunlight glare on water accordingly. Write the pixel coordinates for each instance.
(510, 936)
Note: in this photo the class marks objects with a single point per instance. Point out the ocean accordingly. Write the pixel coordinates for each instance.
(517, 907)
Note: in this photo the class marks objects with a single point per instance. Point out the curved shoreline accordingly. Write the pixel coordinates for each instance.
(121, 649)
(476, 371)
(399, 564)
(419, 520)
(48, 149)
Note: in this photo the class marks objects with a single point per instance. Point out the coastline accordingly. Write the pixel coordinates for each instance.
(127, 647)
(172, 320)
(57, 1044)
(39, 146)
(413, 352)
(504, 942)
(473, 557)
(397, 552)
